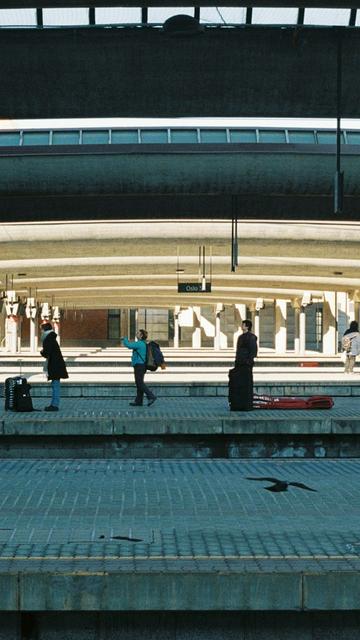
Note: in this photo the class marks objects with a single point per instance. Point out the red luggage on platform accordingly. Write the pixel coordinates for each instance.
(314, 402)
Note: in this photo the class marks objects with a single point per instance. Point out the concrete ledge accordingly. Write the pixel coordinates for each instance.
(193, 389)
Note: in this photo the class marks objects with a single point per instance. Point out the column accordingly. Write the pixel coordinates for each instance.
(297, 329)
(176, 327)
(329, 324)
(302, 330)
(239, 317)
(11, 323)
(31, 313)
(220, 340)
(196, 336)
(257, 324)
(56, 316)
(280, 326)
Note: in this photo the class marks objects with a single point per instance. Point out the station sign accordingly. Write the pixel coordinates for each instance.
(193, 287)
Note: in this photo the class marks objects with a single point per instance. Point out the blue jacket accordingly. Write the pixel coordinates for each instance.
(139, 351)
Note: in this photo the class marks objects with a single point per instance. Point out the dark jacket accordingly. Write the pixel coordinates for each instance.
(56, 368)
(246, 349)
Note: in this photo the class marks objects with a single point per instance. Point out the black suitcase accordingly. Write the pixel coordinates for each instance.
(241, 388)
(17, 394)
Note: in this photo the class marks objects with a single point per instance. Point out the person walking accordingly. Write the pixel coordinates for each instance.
(351, 346)
(138, 361)
(54, 367)
(241, 385)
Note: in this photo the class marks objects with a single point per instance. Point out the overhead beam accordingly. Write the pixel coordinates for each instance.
(21, 4)
(251, 70)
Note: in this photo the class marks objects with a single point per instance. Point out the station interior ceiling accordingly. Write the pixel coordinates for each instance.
(127, 264)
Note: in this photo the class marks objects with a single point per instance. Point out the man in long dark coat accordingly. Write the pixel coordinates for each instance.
(55, 366)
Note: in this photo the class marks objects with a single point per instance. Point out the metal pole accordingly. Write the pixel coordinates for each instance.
(339, 175)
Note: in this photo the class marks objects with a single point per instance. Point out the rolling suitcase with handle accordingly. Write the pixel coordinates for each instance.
(17, 394)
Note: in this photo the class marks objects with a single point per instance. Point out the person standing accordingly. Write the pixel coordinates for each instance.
(241, 386)
(351, 345)
(138, 361)
(54, 367)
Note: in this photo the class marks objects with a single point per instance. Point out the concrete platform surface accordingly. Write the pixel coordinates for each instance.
(186, 534)
(171, 415)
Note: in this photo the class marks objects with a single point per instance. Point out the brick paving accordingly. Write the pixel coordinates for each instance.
(185, 515)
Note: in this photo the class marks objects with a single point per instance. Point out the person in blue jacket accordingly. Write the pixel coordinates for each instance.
(138, 361)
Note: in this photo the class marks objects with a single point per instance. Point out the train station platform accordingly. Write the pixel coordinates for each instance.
(184, 535)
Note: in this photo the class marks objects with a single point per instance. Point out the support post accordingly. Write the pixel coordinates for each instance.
(280, 326)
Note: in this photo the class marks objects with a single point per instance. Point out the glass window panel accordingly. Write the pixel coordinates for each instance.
(274, 15)
(327, 16)
(184, 135)
(302, 137)
(17, 17)
(118, 15)
(272, 136)
(328, 137)
(154, 136)
(10, 139)
(223, 15)
(35, 137)
(66, 137)
(95, 137)
(242, 135)
(61, 17)
(160, 14)
(124, 136)
(353, 137)
(213, 135)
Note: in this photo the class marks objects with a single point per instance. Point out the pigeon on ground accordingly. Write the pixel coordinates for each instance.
(282, 485)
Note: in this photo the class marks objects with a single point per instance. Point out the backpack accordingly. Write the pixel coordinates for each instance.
(346, 343)
(154, 356)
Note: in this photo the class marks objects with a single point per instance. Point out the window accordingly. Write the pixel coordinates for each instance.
(184, 135)
(17, 17)
(95, 137)
(272, 136)
(213, 135)
(327, 16)
(118, 15)
(223, 15)
(124, 136)
(274, 15)
(66, 137)
(62, 17)
(113, 324)
(10, 139)
(353, 137)
(159, 15)
(302, 137)
(155, 136)
(242, 135)
(35, 137)
(328, 137)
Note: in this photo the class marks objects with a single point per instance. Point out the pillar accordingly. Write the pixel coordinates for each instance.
(239, 317)
(220, 339)
(302, 330)
(297, 329)
(257, 324)
(12, 340)
(329, 324)
(196, 336)
(176, 327)
(56, 315)
(31, 313)
(280, 326)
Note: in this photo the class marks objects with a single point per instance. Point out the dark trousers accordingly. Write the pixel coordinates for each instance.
(141, 388)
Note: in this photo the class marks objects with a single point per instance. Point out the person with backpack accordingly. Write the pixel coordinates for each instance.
(55, 367)
(139, 361)
(351, 346)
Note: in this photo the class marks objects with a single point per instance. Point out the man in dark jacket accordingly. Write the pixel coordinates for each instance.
(241, 377)
(246, 348)
(55, 365)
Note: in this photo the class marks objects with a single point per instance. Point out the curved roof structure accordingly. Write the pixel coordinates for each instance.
(282, 174)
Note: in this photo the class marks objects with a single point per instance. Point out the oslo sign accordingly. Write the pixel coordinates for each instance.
(193, 287)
